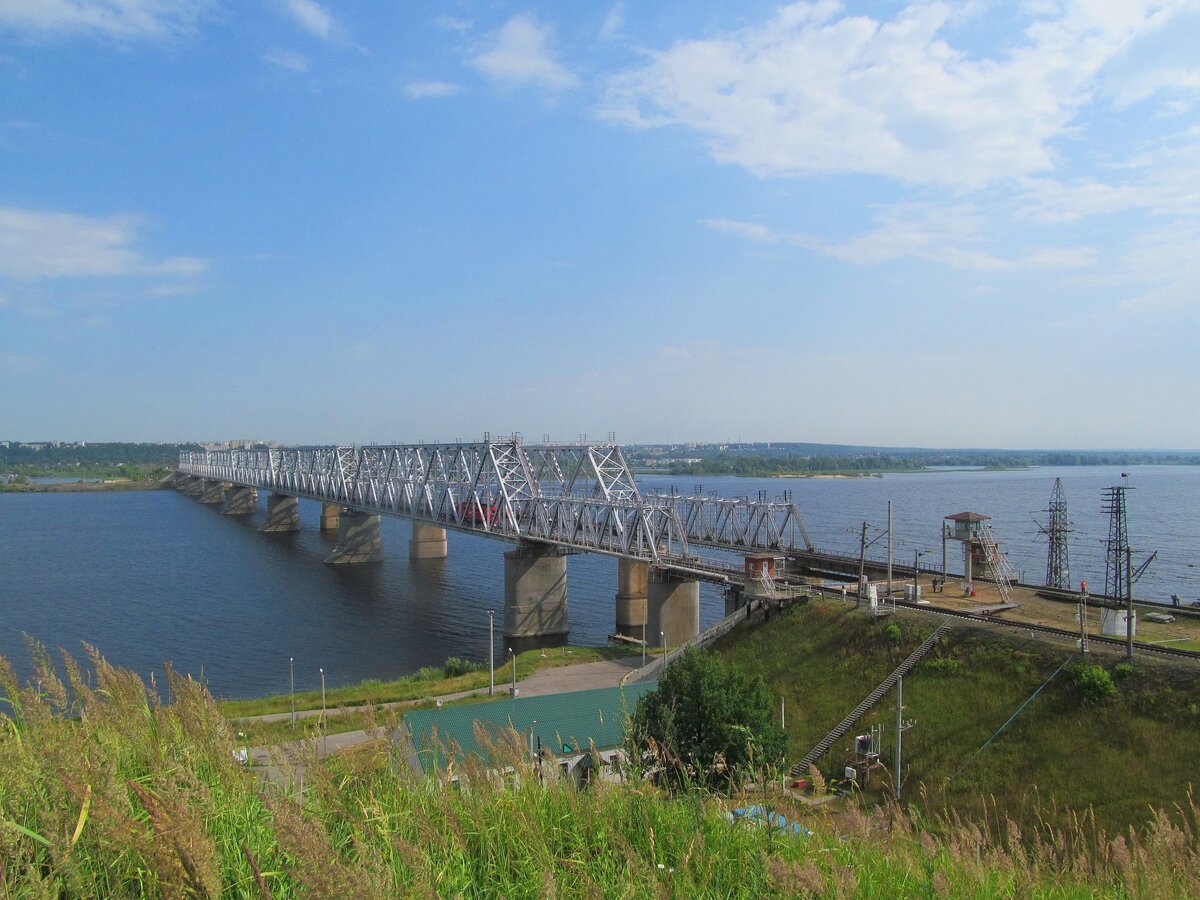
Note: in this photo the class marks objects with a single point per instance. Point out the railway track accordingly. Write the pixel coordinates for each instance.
(1050, 629)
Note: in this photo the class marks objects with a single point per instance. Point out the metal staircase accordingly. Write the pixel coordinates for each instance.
(872, 698)
(999, 567)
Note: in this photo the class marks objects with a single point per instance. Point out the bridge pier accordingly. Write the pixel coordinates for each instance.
(330, 516)
(632, 579)
(672, 609)
(283, 513)
(192, 486)
(358, 539)
(212, 492)
(427, 542)
(239, 501)
(535, 592)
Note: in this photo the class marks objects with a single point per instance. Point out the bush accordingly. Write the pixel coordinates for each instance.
(1094, 681)
(455, 667)
(892, 632)
(1123, 670)
(942, 667)
(706, 724)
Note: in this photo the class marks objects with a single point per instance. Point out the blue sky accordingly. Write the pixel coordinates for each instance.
(940, 224)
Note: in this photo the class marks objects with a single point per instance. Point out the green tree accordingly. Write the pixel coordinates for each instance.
(706, 724)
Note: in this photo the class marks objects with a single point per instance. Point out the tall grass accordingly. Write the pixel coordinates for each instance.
(107, 792)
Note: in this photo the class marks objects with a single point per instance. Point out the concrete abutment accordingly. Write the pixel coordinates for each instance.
(239, 501)
(535, 592)
(283, 514)
(212, 492)
(672, 609)
(632, 580)
(358, 539)
(330, 516)
(427, 542)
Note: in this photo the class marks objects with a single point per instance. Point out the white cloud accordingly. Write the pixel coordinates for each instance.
(613, 23)
(313, 18)
(420, 90)
(286, 59)
(35, 244)
(950, 235)
(519, 54)
(816, 90)
(452, 23)
(127, 19)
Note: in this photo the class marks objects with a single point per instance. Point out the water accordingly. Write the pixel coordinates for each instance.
(153, 576)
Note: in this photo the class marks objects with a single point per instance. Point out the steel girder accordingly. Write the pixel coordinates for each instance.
(580, 496)
(737, 523)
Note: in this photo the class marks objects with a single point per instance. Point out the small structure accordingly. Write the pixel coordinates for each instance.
(578, 734)
(981, 552)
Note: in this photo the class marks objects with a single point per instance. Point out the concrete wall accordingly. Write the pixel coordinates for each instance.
(330, 514)
(427, 542)
(535, 592)
(283, 513)
(239, 501)
(358, 539)
(632, 580)
(672, 610)
(213, 492)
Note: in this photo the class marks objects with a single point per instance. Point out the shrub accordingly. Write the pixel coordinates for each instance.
(1123, 670)
(455, 667)
(892, 632)
(942, 667)
(1094, 681)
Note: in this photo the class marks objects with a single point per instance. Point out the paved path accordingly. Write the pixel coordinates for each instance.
(556, 680)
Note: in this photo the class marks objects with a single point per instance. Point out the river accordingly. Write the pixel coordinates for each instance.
(150, 576)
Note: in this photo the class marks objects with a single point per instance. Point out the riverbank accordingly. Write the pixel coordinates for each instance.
(76, 487)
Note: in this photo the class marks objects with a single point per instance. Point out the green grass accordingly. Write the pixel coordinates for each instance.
(420, 684)
(1118, 758)
(107, 792)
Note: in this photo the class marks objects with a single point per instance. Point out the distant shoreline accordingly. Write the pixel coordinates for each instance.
(80, 487)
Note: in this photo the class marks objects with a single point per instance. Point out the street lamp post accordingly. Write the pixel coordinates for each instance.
(643, 643)
(491, 652)
(292, 684)
(917, 554)
(324, 727)
(662, 641)
(514, 665)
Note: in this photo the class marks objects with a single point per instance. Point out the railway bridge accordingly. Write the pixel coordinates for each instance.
(550, 500)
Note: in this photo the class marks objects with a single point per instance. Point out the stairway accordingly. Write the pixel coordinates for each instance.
(999, 567)
(872, 698)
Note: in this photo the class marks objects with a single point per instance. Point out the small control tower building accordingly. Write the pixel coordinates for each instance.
(971, 530)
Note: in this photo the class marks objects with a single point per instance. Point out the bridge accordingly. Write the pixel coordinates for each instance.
(549, 499)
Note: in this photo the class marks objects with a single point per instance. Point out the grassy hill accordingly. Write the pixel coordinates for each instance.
(1118, 757)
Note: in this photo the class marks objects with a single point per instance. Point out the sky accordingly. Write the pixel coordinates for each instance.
(935, 224)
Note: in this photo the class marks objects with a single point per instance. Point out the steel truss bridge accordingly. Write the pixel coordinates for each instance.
(579, 496)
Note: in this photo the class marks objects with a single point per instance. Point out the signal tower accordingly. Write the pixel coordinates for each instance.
(1058, 568)
(1116, 584)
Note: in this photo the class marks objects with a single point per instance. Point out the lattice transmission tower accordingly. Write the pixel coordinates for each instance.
(1058, 567)
(1115, 571)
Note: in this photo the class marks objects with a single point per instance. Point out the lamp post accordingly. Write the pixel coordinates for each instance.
(292, 684)
(491, 652)
(917, 554)
(324, 727)
(643, 643)
(514, 665)
(662, 642)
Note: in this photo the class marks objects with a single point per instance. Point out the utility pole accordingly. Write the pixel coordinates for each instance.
(862, 563)
(889, 571)
(901, 726)
(1128, 601)
(1083, 644)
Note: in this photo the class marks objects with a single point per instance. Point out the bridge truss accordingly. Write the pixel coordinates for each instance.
(579, 496)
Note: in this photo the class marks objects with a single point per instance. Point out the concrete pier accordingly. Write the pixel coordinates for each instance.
(213, 492)
(283, 513)
(632, 579)
(535, 592)
(358, 539)
(239, 501)
(330, 515)
(427, 542)
(672, 609)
